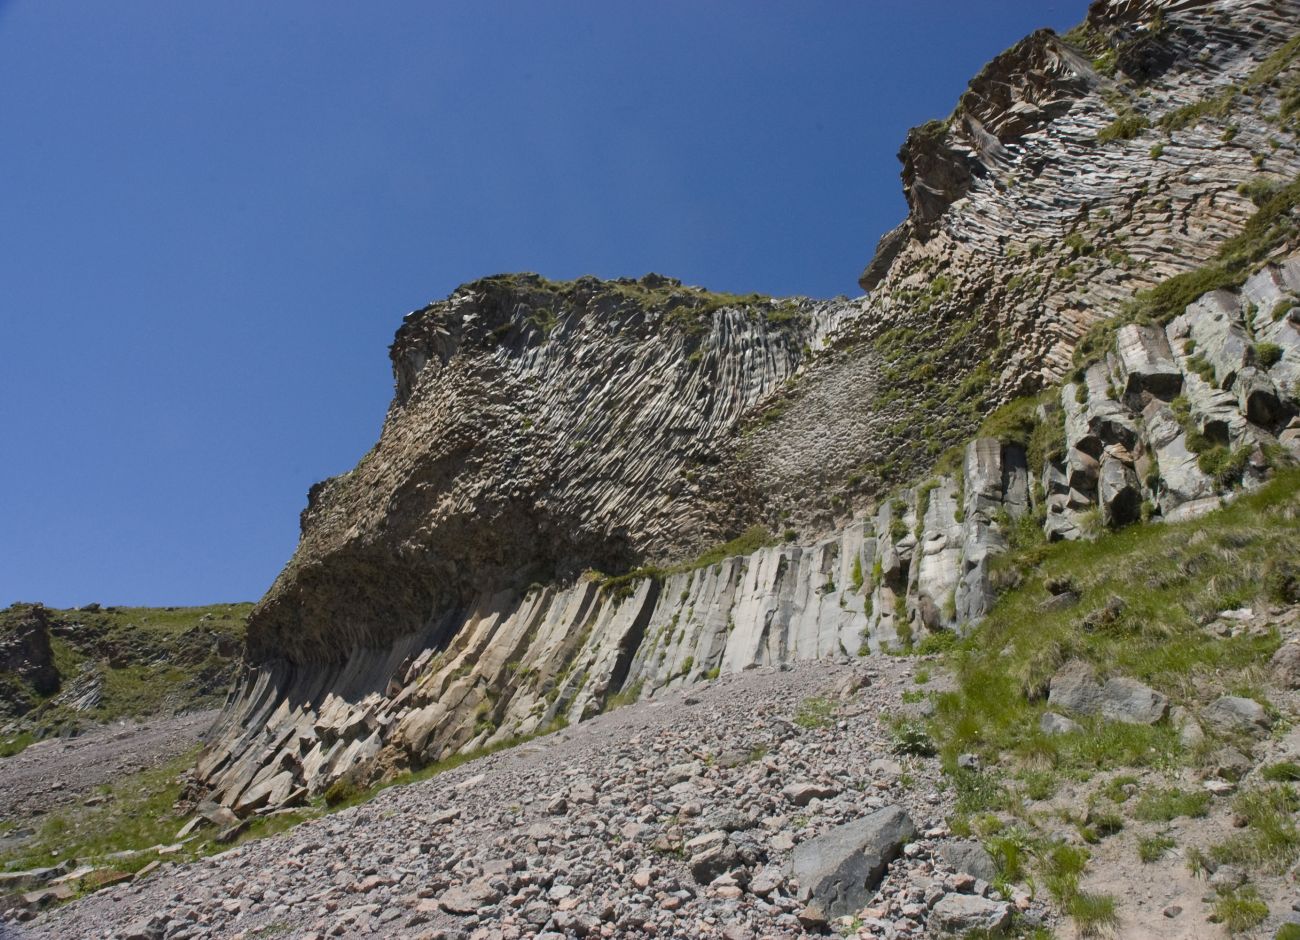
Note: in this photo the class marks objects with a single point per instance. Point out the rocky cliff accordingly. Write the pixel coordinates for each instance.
(1113, 209)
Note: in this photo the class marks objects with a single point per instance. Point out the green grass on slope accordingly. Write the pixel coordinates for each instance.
(1167, 579)
(748, 542)
(136, 816)
(1144, 593)
(152, 660)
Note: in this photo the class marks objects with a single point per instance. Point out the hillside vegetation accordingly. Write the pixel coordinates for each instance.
(1193, 610)
(67, 669)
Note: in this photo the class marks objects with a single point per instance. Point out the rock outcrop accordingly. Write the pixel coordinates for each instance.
(447, 594)
(26, 659)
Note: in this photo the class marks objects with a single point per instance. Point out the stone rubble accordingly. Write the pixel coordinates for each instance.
(658, 819)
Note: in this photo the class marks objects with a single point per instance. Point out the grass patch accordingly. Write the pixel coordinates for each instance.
(1240, 910)
(1287, 771)
(748, 542)
(136, 816)
(16, 744)
(814, 713)
(1038, 784)
(1094, 914)
(626, 697)
(1117, 788)
(1152, 848)
(1125, 127)
(1269, 840)
(1167, 804)
(1169, 577)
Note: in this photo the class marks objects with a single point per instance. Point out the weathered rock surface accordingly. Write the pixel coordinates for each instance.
(971, 858)
(1233, 714)
(838, 872)
(25, 654)
(1075, 689)
(959, 914)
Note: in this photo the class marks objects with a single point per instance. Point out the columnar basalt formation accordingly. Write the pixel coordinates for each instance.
(448, 595)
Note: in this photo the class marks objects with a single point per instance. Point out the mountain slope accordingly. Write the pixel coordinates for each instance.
(438, 603)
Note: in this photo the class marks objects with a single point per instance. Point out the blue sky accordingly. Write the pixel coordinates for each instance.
(215, 216)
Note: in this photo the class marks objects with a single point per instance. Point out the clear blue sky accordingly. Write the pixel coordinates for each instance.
(215, 215)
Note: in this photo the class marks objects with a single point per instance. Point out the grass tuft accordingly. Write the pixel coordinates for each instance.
(1152, 848)
(1240, 910)
(1269, 841)
(814, 713)
(1167, 804)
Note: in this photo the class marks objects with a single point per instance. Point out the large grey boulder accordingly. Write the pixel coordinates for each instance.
(1099, 419)
(1286, 665)
(1233, 714)
(1214, 412)
(960, 914)
(839, 871)
(969, 857)
(1075, 688)
(1214, 321)
(1181, 479)
(1131, 702)
(1257, 397)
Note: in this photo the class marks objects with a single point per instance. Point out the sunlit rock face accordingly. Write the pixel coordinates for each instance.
(451, 591)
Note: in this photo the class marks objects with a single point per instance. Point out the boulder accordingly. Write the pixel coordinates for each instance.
(1257, 397)
(1146, 364)
(969, 857)
(711, 855)
(1075, 688)
(1130, 701)
(467, 899)
(1214, 321)
(1189, 729)
(1052, 723)
(1286, 665)
(803, 793)
(839, 871)
(1233, 714)
(960, 914)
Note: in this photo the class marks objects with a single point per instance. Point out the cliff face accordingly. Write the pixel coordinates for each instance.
(438, 602)
(538, 430)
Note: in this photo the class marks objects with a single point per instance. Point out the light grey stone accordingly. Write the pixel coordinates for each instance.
(839, 871)
(957, 914)
(1233, 714)
(1075, 689)
(969, 857)
(1130, 701)
(1052, 723)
